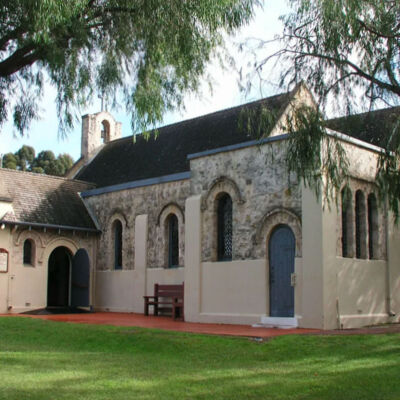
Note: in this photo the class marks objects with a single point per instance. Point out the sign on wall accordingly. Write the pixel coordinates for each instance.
(3, 260)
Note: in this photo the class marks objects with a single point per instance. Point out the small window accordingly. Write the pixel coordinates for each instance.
(28, 252)
(117, 244)
(173, 241)
(347, 225)
(373, 227)
(224, 228)
(361, 232)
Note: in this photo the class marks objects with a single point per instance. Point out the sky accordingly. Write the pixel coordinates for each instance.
(43, 134)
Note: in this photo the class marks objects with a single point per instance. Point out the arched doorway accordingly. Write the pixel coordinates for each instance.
(281, 247)
(58, 282)
(80, 279)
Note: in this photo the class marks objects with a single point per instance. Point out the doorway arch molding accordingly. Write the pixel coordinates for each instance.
(58, 242)
(268, 223)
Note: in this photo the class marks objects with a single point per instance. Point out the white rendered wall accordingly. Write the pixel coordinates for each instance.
(5, 241)
(344, 292)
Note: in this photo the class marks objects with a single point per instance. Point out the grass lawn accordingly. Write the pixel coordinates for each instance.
(52, 360)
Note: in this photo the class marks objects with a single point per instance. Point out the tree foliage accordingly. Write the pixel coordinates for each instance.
(345, 50)
(44, 163)
(341, 47)
(151, 51)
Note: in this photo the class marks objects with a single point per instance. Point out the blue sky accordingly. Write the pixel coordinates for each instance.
(43, 134)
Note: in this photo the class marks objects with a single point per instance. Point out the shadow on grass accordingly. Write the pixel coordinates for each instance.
(42, 360)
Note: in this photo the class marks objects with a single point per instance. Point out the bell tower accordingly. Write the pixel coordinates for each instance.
(97, 130)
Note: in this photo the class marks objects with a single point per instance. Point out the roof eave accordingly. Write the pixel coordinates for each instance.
(51, 226)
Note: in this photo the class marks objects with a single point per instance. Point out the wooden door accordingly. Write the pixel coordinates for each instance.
(281, 267)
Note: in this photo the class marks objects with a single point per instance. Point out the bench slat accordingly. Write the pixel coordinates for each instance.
(166, 295)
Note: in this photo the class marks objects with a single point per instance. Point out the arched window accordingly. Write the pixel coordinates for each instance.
(173, 240)
(105, 131)
(373, 227)
(361, 232)
(224, 227)
(29, 249)
(347, 225)
(117, 231)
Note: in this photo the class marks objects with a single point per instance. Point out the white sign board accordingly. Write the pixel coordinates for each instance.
(3, 261)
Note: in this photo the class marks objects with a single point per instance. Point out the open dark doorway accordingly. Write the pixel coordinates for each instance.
(58, 283)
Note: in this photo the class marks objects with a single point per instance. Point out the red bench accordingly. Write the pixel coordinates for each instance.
(166, 298)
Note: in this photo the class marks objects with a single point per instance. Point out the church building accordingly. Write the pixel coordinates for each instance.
(206, 203)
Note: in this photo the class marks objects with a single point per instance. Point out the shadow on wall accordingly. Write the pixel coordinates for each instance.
(361, 286)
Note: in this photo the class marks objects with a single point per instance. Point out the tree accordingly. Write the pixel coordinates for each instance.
(150, 50)
(342, 49)
(9, 161)
(45, 160)
(64, 162)
(45, 163)
(25, 156)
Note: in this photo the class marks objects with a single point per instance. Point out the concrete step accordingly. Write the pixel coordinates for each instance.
(277, 322)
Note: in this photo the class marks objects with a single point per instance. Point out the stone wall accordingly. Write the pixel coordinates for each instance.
(158, 201)
(258, 183)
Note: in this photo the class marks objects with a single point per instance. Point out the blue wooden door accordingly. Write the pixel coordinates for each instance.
(281, 266)
(80, 279)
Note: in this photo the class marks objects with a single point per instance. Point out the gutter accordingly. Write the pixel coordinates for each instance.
(51, 226)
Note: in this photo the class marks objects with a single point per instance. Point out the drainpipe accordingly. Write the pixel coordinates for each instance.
(9, 291)
(388, 277)
(339, 322)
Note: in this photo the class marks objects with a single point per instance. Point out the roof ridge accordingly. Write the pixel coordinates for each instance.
(45, 175)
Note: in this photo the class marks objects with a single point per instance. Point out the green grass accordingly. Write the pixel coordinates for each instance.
(50, 360)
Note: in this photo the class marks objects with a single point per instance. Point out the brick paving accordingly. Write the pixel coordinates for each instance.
(139, 320)
(167, 323)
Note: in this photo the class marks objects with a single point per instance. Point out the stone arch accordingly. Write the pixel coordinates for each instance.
(170, 208)
(71, 245)
(268, 223)
(117, 213)
(219, 185)
(29, 234)
(166, 211)
(37, 242)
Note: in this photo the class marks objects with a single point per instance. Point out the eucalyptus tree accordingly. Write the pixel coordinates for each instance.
(152, 51)
(45, 162)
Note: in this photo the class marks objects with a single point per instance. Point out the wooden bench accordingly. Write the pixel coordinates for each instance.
(166, 298)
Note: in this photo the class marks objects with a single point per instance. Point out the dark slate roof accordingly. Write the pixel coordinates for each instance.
(373, 127)
(44, 200)
(126, 160)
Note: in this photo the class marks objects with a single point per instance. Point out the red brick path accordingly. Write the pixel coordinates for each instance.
(139, 320)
